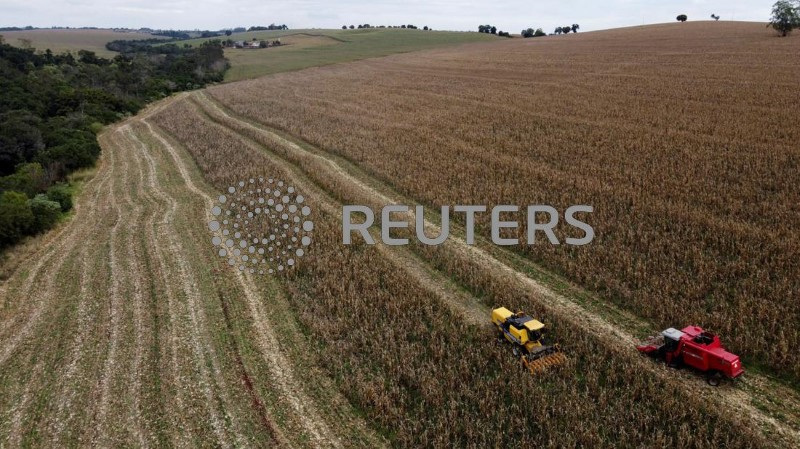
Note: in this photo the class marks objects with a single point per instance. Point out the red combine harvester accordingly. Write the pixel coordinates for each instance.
(697, 348)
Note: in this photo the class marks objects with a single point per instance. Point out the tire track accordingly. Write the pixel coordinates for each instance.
(57, 252)
(257, 402)
(201, 346)
(63, 250)
(88, 306)
(129, 275)
(115, 307)
(611, 334)
(280, 367)
(177, 421)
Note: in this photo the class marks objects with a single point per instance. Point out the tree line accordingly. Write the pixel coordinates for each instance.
(366, 25)
(53, 105)
(530, 32)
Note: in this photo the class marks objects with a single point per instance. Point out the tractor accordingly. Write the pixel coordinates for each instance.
(526, 336)
(694, 347)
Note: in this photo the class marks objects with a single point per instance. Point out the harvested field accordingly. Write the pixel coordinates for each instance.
(125, 332)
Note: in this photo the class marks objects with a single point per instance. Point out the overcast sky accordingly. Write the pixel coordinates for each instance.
(511, 15)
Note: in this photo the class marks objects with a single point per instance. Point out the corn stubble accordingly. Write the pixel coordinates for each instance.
(424, 375)
(683, 137)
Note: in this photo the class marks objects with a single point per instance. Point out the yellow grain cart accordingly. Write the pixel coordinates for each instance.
(526, 336)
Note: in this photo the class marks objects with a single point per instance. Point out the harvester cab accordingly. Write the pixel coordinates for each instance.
(527, 338)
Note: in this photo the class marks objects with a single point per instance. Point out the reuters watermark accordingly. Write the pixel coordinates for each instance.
(261, 226)
(264, 226)
(535, 226)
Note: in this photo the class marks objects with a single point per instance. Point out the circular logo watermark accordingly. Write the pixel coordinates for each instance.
(261, 226)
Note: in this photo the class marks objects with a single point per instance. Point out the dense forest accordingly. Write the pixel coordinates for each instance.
(53, 105)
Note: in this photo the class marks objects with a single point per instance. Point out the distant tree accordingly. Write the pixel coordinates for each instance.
(359, 27)
(352, 27)
(228, 32)
(493, 30)
(89, 57)
(575, 27)
(558, 30)
(344, 27)
(714, 16)
(785, 17)
(528, 33)
(682, 18)
(425, 28)
(539, 33)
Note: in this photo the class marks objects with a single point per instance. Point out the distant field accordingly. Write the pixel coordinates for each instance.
(309, 48)
(304, 48)
(60, 41)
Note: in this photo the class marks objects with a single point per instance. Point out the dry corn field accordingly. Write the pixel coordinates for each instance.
(127, 329)
(672, 133)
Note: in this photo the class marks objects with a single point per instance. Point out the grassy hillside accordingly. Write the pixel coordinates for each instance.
(309, 48)
(60, 41)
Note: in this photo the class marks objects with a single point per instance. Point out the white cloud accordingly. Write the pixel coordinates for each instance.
(512, 15)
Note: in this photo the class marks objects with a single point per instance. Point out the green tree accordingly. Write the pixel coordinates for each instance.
(29, 179)
(682, 18)
(16, 218)
(785, 16)
(61, 194)
(45, 213)
(20, 139)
